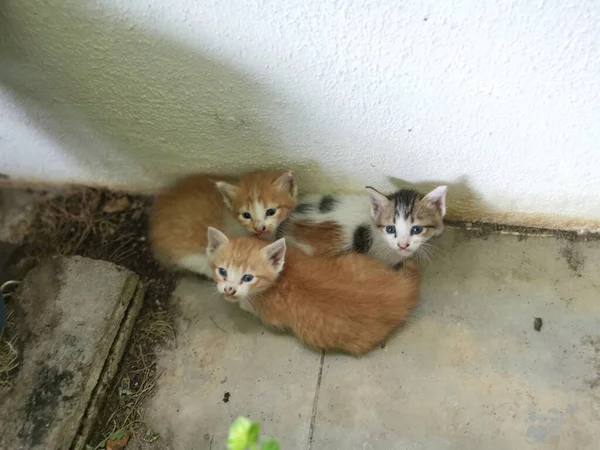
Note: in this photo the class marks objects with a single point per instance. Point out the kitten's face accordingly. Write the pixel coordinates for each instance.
(243, 266)
(261, 201)
(407, 219)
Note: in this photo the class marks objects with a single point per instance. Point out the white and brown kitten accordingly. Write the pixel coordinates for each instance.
(390, 228)
(181, 215)
(351, 302)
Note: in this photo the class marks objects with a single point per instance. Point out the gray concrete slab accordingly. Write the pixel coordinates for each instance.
(69, 311)
(469, 371)
(223, 350)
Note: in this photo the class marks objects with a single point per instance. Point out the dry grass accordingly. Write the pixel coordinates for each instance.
(76, 224)
(111, 226)
(9, 355)
(135, 382)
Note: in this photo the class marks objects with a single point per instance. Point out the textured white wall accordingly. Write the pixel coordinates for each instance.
(498, 99)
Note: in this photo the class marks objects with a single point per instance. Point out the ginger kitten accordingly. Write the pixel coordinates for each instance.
(349, 303)
(390, 228)
(257, 204)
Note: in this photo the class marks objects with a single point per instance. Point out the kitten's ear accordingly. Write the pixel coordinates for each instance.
(437, 198)
(287, 181)
(275, 254)
(378, 201)
(228, 191)
(216, 239)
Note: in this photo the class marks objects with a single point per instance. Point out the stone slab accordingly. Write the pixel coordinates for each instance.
(69, 311)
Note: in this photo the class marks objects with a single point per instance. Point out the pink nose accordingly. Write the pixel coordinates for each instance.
(403, 246)
(260, 229)
(229, 290)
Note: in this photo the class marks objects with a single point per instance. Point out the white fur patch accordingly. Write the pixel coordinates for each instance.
(350, 212)
(197, 263)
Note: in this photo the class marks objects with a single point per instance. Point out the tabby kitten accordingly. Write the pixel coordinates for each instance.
(390, 228)
(256, 205)
(350, 303)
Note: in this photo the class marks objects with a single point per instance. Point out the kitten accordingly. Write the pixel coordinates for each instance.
(349, 303)
(257, 204)
(390, 228)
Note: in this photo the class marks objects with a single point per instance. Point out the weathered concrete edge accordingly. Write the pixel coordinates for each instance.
(484, 229)
(100, 356)
(110, 368)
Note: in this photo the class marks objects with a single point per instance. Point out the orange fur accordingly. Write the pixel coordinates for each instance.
(261, 187)
(324, 238)
(183, 213)
(349, 303)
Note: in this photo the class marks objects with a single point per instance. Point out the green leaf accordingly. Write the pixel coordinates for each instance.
(119, 434)
(270, 444)
(238, 434)
(253, 433)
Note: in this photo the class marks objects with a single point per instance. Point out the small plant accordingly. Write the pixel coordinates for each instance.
(244, 435)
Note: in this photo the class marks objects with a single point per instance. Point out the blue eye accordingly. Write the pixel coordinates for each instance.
(417, 229)
(390, 229)
(270, 212)
(222, 272)
(247, 215)
(247, 278)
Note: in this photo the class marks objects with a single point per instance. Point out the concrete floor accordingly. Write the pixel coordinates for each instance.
(467, 372)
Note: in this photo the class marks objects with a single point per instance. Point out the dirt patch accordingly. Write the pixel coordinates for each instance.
(42, 403)
(594, 342)
(574, 258)
(110, 226)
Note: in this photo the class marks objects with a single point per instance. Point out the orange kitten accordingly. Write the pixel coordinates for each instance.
(349, 303)
(257, 204)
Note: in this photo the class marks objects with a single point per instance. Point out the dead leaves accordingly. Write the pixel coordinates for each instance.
(118, 443)
(116, 205)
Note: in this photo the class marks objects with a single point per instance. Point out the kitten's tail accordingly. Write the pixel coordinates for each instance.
(323, 238)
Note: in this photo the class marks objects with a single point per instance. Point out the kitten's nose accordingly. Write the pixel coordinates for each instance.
(260, 228)
(229, 290)
(403, 246)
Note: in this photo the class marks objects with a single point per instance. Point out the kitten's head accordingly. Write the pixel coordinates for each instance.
(407, 218)
(261, 200)
(243, 266)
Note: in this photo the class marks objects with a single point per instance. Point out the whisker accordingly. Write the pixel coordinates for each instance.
(433, 251)
(422, 255)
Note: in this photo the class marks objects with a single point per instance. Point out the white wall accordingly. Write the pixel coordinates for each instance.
(498, 99)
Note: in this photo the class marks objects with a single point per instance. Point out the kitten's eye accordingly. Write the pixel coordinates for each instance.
(247, 278)
(270, 212)
(390, 229)
(247, 215)
(222, 272)
(417, 229)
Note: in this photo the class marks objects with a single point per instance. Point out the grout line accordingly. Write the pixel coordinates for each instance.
(313, 417)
